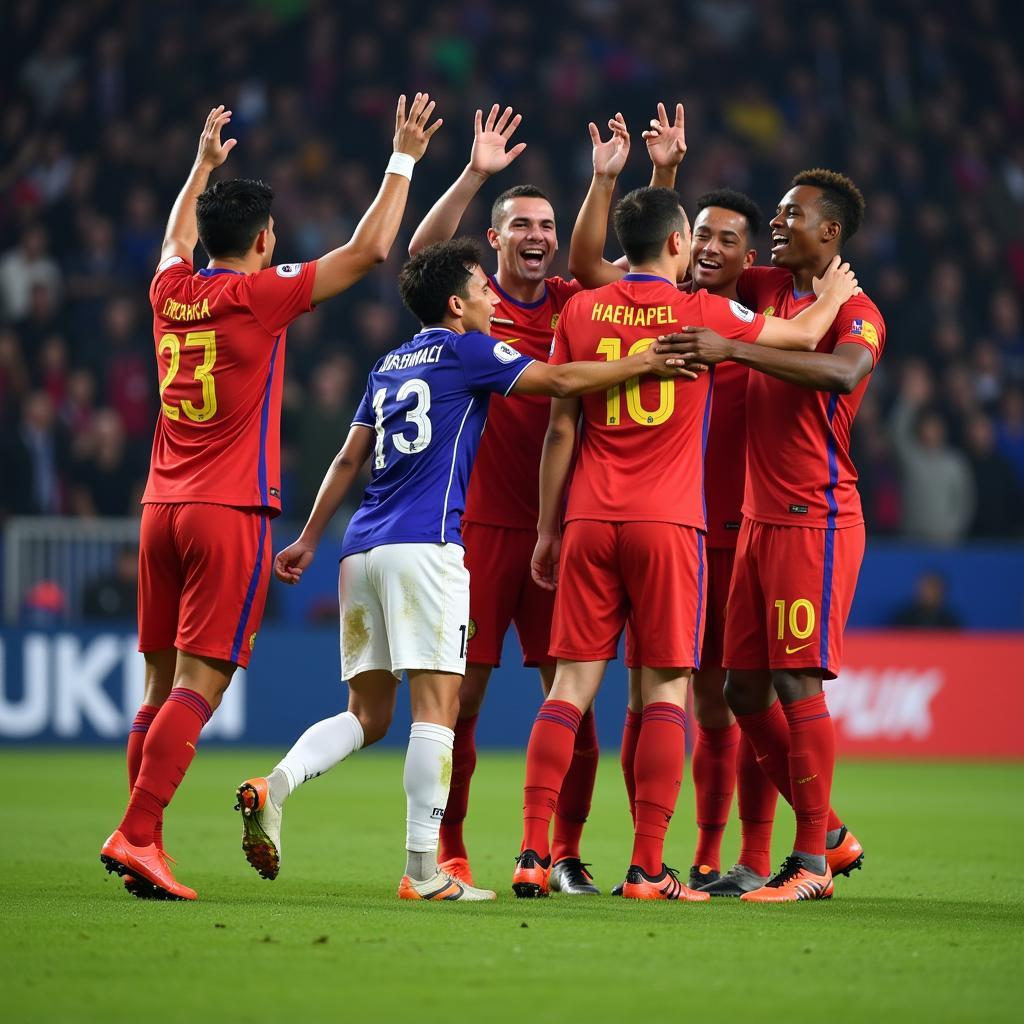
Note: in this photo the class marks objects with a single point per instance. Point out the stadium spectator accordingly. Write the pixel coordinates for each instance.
(929, 608)
(105, 478)
(1000, 504)
(112, 596)
(22, 268)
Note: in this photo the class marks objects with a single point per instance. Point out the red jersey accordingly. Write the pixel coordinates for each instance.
(725, 462)
(220, 337)
(799, 471)
(504, 486)
(624, 471)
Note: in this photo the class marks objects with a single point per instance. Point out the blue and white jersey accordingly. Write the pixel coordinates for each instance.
(427, 402)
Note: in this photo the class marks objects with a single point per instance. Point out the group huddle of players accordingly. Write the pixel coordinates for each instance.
(634, 475)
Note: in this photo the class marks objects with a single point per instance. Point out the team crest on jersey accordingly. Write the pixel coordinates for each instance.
(741, 312)
(252, 641)
(505, 353)
(289, 270)
(770, 311)
(554, 320)
(865, 329)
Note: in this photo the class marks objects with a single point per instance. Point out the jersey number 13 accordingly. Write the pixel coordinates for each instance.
(419, 391)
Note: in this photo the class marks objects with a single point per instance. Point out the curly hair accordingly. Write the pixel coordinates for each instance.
(436, 273)
(841, 200)
(738, 202)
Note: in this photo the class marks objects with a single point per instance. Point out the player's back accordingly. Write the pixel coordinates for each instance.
(641, 452)
(219, 337)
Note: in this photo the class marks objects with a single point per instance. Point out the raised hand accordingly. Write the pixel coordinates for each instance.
(610, 156)
(490, 153)
(212, 152)
(411, 133)
(838, 280)
(290, 563)
(666, 143)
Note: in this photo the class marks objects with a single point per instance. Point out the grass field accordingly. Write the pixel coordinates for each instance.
(930, 930)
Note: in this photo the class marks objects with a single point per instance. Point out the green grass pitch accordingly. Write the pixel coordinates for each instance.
(930, 930)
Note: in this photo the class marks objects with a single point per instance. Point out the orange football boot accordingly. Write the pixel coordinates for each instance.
(664, 886)
(442, 887)
(530, 878)
(458, 868)
(794, 882)
(143, 890)
(146, 864)
(846, 856)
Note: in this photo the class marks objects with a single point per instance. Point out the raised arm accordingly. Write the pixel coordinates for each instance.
(555, 463)
(290, 563)
(374, 235)
(182, 231)
(489, 155)
(586, 249)
(666, 146)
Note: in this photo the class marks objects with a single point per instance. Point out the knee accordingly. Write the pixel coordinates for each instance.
(709, 703)
(792, 688)
(746, 693)
(374, 722)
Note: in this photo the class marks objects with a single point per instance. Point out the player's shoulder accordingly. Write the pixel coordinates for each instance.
(560, 291)
(758, 286)
(170, 273)
(476, 344)
(863, 305)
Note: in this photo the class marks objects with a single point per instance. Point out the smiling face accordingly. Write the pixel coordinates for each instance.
(525, 238)
(720, 250)
(801, 236)
(478, 304)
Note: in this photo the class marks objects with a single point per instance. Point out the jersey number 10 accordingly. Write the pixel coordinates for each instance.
(203, 375)
(611, 349)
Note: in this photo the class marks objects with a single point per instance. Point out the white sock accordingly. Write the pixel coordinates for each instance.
(319, 749)
(428, 774)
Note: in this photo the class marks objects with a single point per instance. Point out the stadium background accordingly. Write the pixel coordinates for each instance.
(922, 103)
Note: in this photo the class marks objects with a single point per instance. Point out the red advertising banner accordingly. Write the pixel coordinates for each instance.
(930, 694)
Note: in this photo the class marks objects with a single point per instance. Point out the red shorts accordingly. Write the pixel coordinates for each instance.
(502, 591)
(203, 576)
(718, 573)
(652, 574)
(792, 588)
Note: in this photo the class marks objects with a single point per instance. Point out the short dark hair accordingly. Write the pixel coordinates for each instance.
(841, 200)
(644, 219)
(738, 202)
(515, 192)
(435, 274)
(231, 214)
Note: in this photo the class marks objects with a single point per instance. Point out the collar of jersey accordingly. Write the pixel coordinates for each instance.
(211, 271)
(515, 302)
(647, 277)
(802, 295)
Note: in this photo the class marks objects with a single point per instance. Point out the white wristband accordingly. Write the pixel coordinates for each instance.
(401, 163)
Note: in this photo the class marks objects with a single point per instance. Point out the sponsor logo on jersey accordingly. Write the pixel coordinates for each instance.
(289, 270)
(800, 510)
(741, 312)
(769, 311)
(554, 320)
(274, 492)
(865, 329)
(505, 353)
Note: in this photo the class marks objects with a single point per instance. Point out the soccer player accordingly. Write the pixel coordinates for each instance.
(722, 247)
(214, 480)
(403, 585)
(802, 538)
(634, 534)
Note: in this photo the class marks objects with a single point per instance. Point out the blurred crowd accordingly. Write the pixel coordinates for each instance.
(101, 103)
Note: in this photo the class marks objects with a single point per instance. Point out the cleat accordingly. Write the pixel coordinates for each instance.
(846, 856)
(141, 889)
(442, 886)
(735, 882)
(458, 868)
(570, 876)
(261, 827)
(146, 864)
(530, 878)
(701, 875)
(663, 886)
(793, 882)
(617, 889)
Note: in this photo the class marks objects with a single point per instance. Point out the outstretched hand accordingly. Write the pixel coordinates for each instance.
(610, 156)
(490, 141)
(212, 152)
(411, 132)
(666, 143)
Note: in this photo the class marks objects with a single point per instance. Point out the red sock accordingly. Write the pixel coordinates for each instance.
(812, 759)
(757, 800)
(577, 791)
(714, 780)
(168, 751)
(659, 770)
(630, 737)
(136, 741)
(548, 757)
(463, 765)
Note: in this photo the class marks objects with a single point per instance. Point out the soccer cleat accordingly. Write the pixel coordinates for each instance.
(701, 875)
(847, 855)
(261, 827)
(458, 868)
(570, 876)
(663, 886)
(143, 890)
(735, 882)
(617, 889)
(530, 878)
(793, 882)
(146, 864)
(442, 886)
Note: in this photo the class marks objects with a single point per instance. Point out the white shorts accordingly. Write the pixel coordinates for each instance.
(404, 607)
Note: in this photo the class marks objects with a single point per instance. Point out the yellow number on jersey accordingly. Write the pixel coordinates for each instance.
(800, 608)
(203, 375)
(611, 349)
